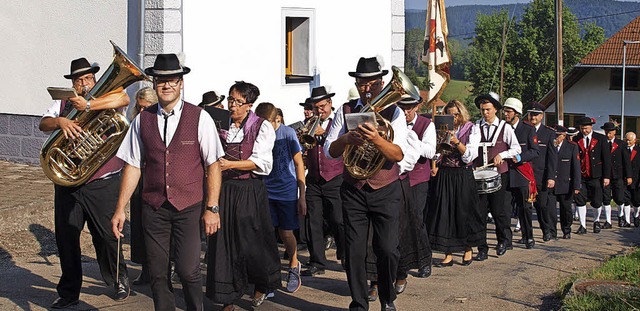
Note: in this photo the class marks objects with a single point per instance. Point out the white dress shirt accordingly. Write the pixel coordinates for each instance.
(338, 128)
(508, 136)
(132, 149)
(262, 152)
(417, 148)
(471, 152)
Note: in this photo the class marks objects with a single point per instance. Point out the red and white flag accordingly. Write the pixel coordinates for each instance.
(435, 53)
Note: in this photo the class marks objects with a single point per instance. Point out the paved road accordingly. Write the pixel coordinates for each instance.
(520, 280)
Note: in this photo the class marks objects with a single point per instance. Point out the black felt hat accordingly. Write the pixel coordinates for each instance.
(572, 131)
(368, 68)
(211, 98)
(535, 108)
(318, 94)
(81, 67)
(585, 121)
(167, 65)
(307, 105)
(609, 126)
(560, 129)
(491, 97)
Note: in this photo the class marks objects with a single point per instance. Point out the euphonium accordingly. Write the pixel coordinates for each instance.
(307, 137)
(365, 160)
(71, 162)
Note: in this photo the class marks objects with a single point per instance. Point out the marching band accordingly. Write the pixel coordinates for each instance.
(389, 191)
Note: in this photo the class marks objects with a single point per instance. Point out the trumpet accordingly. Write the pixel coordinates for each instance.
(307, 138)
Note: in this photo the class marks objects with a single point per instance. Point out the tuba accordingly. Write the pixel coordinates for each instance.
(366, 160)
(71, 162)
(307, 138)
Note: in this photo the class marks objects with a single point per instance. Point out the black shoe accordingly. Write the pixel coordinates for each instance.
(143, 278)
(258, 299)
(521, 241)
(626, 225)
(443, 264)
(547, 237)
(482, 256)
(313, 270)
(328, 243)
(424, 272)
(63, 303)
(372, 295)
(581, 230)
(636, 221)
(619, 221)
(387, 306)
(596, 227)
(489, 220)
(567, 236)
(122, 289)
(501, 249)
(607, 225)
(516, 230)
(400, 286)
(467, 262)
(530, 243)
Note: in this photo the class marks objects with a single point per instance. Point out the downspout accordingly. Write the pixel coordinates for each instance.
(142, 32)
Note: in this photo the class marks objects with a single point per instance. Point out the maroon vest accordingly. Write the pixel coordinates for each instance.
(390, 170)
(241, 151)
(422, 170)
(318, 165)
(174, 173)
(113, 165)
(500, 146)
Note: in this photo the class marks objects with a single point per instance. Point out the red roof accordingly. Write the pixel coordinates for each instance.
(609, 54)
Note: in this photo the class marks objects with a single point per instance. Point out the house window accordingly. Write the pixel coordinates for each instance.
(298, 45)
(569, 118)
(632, 79)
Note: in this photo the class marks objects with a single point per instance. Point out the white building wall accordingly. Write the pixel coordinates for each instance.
(226, 41)
(591, 96)
(40, 38)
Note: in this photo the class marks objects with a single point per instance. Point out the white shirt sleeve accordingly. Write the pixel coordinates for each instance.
(210, 145)
(471, 153)
(131, 149)
(399, 125)
(337, 129)
(428, 149)
(262, 153)
(509, 137)
(53, 111)
(412, 154)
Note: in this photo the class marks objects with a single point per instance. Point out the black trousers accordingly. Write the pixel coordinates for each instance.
(614, 191)
(380, 208)
(138, 250)
(545, 205)
(501, 212)
(93, 203)
(519, 196)
(591, 190)
(324, 202)
(566, 214)
(163, 227)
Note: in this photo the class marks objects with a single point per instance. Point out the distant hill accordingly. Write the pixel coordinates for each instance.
(461, 19)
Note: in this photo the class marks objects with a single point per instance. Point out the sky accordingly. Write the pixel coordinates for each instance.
(422, 4)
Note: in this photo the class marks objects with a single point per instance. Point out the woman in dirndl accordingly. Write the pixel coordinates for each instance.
(453, 220)
(244, 250)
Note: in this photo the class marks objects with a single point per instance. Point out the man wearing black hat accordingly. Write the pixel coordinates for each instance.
(498, 144)
(620, 174)
(177, 142)
(567, 178)
(376, 200)
(211, 99)
(93, 201)
(324, 179)
(544, 167)
(595, 165)
(308, 111)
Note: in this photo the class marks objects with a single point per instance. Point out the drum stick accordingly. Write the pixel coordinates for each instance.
(117, 282)
(485, 166)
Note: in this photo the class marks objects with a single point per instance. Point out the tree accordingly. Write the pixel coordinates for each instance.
(530, 54)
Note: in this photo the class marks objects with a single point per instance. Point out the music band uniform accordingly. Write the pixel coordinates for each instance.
(568, 179)
(620, 173)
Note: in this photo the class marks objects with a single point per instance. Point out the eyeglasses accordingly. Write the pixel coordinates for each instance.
(370, 85)
(171, 82)
(321, 107)
(233, 101)
(84, 80)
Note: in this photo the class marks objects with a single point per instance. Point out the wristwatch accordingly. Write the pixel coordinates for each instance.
(88, 106)
(214, 209)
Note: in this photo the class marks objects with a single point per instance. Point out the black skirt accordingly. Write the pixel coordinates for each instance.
(415, 251)
(454, 222)
(244, 250)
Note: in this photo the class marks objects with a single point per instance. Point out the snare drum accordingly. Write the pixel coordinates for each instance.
(487, 180)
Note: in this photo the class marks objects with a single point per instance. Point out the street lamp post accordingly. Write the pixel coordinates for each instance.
(624, 82)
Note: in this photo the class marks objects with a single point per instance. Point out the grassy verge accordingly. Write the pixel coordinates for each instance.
(622, 268)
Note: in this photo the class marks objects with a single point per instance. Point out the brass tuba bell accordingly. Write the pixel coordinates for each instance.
(366, 160)
(71, 162)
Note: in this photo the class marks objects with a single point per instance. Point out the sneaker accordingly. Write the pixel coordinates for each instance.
(293, 280)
